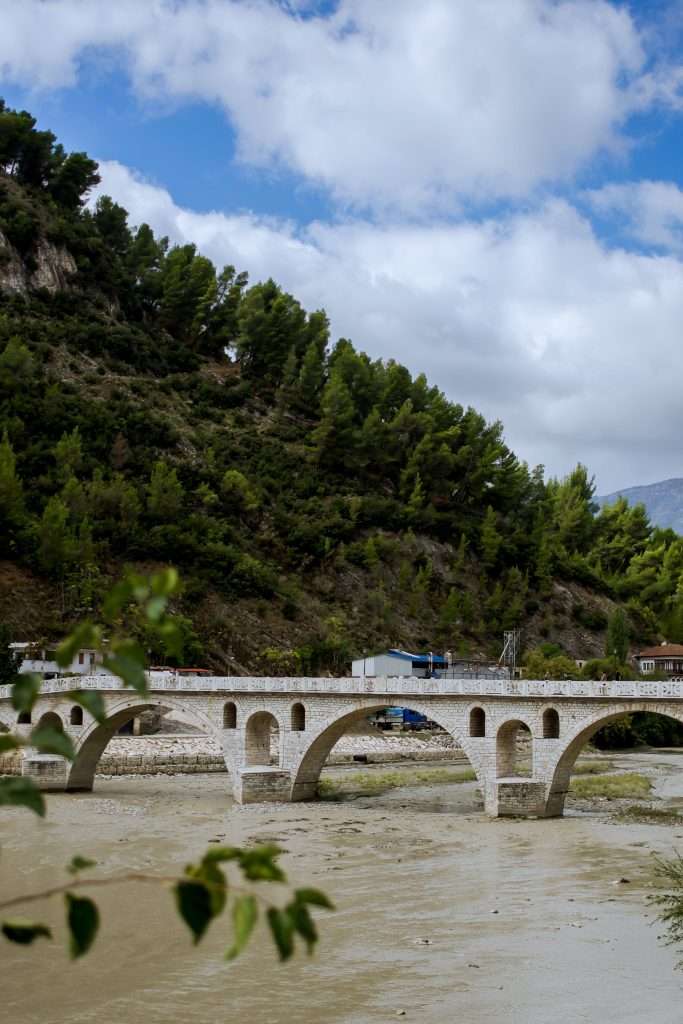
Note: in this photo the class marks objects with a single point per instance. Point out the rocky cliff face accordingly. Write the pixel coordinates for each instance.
(52, 267)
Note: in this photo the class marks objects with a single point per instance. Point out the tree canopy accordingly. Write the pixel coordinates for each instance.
(160, 408)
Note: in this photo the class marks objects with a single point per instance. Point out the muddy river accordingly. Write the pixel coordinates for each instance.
(443, 915)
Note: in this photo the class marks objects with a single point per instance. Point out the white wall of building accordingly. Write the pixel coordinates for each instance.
(381, 665)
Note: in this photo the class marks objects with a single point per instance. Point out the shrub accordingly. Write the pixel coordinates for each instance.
(591, 618)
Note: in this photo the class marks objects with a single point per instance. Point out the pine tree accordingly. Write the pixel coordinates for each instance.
(55, 538)
(270, 324)
(449, 616)
(516, 588)
(9, 660)
(370, 554)
(459, 560)
(69, 455)
(467, 610)
(311, 376)
(12, 511)
(491, 539)
(617, 638)
(164, 493)
(494, 608)
(333, 438)
(416, 501)
(238, 492)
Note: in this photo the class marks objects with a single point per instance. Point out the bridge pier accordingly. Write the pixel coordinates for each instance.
(48, 772)
(519, 798)
(261, 784)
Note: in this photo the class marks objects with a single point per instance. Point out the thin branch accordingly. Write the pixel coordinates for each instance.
(133, 876)
(80, 883)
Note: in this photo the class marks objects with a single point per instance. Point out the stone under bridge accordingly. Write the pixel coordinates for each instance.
(309, 715)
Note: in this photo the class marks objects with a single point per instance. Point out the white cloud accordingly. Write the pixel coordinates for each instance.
(396, 105)
(649, 211)
(530, 319)
(412, 109)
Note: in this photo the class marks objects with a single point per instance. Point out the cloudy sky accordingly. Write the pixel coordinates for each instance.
(488, 191)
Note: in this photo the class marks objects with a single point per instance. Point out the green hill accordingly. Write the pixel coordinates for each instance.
(319, 503)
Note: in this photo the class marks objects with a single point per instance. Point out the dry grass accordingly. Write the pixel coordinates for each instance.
(614, 787)
(592, 767)
(650, 815)
(373, 783)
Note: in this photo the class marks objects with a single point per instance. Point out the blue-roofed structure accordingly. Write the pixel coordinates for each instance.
(396, 662)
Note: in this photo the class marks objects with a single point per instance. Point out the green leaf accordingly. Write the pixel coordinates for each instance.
(25, 692)
(127, 661)
(79, 863)
(9, 742)
(193, 900)
(139, 588)
(85, 635)
(156, 608)
(303, 924)
(83, 919)
(49, 740)
(314, 897)
(20, 791)
(24, 932)
(172, 635)
(220, 853)
(120, 595)
(92, 701)
(282, 928)
(258, 865)
(165, 583)
(211, 875)
(244, 915)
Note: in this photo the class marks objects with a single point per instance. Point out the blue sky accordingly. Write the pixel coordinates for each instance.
(187, 147)
(490, 193)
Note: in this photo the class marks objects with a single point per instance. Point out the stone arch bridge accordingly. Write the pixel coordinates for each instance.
(483, 716)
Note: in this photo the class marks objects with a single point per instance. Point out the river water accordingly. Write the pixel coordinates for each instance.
(443, 915)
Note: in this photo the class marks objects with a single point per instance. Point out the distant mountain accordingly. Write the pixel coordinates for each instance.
(663, 501)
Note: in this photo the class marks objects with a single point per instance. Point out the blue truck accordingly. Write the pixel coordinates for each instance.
(393, 718)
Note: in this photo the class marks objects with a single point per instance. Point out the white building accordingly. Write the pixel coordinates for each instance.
(40, 658)
(425, 666)
(398, 663)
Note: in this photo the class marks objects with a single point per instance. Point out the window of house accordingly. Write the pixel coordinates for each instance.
(81, 658)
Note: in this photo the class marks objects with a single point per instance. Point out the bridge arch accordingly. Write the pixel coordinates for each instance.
(298, 717)
(575, 742)
(257, 738)
(477, 722)
(508, 764)
(307, 774)
(94, 738)
(51, 719)
(551, 724)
